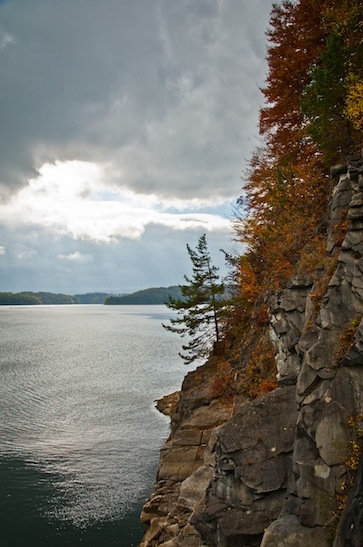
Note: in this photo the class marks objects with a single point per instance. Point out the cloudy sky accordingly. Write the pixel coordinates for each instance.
(126, 126)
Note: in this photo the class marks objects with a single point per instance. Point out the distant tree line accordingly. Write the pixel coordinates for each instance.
(159, 295)
(91, 298)
(154, 295)
(37, 298)
(18, 299)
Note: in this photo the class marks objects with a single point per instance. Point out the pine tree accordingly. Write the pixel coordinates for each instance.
(201, 307)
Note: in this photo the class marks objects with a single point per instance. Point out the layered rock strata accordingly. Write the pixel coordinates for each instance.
(186, 464)
(274, 471)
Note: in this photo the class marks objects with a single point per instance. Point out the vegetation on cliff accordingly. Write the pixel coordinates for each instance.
(315, 61)
(312, 117)
(201, 307)
(246, 463)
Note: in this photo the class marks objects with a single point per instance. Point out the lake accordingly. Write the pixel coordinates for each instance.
(79, 433)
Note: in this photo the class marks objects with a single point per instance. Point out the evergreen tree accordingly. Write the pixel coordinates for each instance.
(201, 306)
(324, 99)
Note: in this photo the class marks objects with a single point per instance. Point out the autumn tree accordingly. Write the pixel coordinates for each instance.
(285, 190)
(295, 39)
(201, 307)
(312, 116)
(332, 100)
(314, 84)
(344, 18)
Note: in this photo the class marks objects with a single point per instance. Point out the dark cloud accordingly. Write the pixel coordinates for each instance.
(164, 94)
(165, 91)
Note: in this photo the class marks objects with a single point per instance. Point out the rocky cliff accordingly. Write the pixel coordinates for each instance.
(281, 469)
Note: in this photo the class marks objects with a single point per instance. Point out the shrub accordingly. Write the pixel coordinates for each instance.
(223, 382)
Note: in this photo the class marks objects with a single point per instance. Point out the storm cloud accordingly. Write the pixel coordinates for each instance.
(121, 119)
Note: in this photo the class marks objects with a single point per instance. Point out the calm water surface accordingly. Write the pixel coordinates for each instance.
(79, 435)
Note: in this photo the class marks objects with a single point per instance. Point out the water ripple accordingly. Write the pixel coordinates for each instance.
(77, 434)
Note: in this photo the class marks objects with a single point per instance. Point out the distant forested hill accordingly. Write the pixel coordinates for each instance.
(155, 295)
(31, 298)
(91, 298)
(18, 299)
(158, 295)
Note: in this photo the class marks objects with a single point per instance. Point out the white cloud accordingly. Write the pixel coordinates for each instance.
(73, 198)
(127, 126)
(76, 257)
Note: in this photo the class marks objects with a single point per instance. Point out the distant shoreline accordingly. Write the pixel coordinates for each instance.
(154, 295)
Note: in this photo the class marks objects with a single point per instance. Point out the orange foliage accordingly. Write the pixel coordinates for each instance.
(283, 218)
(286, 189)
(261, 317)
(296, 38)
(223, 383)
(287, 207)
(258, 374)
(265, 386)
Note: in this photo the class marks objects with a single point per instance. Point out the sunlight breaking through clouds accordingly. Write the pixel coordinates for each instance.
(73, 198)
(127, 127)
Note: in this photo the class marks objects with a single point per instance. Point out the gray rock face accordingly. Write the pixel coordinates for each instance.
(186, 465)
(253, 460)
(287, 316)
(329, 384)
(287, 531)
(270, 472)
(350, 532)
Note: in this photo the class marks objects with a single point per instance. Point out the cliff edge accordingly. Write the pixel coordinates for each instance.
(282, 468)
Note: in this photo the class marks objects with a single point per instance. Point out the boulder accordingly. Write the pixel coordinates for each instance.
(253, 461)
(287, 531)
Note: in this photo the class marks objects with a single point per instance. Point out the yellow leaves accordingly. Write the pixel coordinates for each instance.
(312, 255)
(354, 105)
(354, 457)
(346, 340)
(355, 428)
(339, 15)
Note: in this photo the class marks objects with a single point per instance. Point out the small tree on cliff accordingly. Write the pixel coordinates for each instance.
(201, 307)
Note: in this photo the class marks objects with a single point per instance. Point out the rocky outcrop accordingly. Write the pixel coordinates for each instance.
(168, 404)
(276, 471)
(330, 382)
(253, 454)
(287, 319)
(187, 462)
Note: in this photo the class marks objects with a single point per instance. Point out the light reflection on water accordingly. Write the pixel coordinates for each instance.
(79, 438)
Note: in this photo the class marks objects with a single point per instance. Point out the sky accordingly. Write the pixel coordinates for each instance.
(126, 128)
